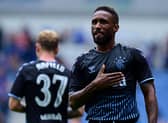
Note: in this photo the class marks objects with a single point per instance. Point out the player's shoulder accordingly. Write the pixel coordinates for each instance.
(27, 65)
(84, 56)
(24, 67)
(130, 49)
(136, 53)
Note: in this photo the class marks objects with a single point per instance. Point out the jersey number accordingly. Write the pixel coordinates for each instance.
(45, 89)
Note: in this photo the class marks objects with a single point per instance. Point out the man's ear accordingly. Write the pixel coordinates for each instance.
(37, 48)
(116, 27)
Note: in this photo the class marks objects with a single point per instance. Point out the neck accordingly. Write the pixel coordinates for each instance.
(106, 47)
(47, 56)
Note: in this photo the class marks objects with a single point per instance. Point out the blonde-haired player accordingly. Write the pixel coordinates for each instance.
(44, 84)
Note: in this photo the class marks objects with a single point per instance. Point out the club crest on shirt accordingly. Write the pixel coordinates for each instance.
(91, 69)
(120, 62)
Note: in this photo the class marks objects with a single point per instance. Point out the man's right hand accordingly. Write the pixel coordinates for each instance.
(104, 80)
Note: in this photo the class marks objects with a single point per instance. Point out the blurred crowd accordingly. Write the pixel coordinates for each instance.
(18, 47)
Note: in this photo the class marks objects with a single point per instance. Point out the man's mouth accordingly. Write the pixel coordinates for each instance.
(98, 34)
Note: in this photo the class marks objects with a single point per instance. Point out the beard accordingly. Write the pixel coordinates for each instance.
(102, 39)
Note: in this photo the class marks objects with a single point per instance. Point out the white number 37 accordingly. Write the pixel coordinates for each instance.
(45, 89)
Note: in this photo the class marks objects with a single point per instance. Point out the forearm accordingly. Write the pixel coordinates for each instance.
(150, 101)
(152, 110)
(20, 109)
(15, 105)
(79, 98)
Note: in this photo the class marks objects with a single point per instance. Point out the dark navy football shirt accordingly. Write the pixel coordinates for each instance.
(114, 103)
(45, 88)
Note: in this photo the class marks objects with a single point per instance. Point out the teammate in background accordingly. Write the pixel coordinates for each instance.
(106, 76)
(44, 83)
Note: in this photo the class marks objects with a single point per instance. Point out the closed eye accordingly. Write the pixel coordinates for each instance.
(94, 22)
(101, 21)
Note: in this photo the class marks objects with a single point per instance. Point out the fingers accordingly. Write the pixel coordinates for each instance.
(115, 84)
(115, 74)
(104, 80)
(114, 79)
(102, 69)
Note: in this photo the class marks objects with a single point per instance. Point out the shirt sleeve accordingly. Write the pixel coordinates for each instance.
(77, 76)
(17, 90)
(142, 70)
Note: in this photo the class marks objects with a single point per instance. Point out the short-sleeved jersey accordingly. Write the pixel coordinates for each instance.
(117, 102)
(45, 86)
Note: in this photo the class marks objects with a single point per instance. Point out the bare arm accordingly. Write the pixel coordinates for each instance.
(79, 98)
(15, 105)
(149, 93)
(103, 80)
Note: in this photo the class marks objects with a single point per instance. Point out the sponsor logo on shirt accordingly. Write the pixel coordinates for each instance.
(57, 116)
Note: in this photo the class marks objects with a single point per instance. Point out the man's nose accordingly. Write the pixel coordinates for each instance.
(98, 25)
